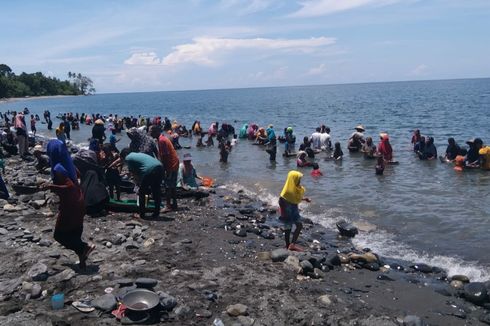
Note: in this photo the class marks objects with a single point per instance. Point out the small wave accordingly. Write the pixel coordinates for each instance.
(380, 241)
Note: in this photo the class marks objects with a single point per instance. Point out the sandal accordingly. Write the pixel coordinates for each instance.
(295, 247)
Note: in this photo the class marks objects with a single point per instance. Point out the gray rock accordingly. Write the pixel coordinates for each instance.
(203, 313)
(64, 276)
(371, 266)
(412, 320)
(240, 232)
(237, 310)
(3, 231)
(306, 266)
(107, 302)
(38, 272)
(317, 274)
(146, 283)
(246, 321)
(44, 243)
(476, 293)
(461, 278)
(182, 311)
(456, 284)
(346, 229)
(279, 255)
(8, 287)
(325, 300)
(292, 262)
(167, 301)
(423, 268)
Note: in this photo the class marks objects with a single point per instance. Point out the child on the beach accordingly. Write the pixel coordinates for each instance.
(380, 165)
(291, 195)
(224, 151)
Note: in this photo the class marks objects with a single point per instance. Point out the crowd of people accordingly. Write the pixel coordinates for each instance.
(92, 177)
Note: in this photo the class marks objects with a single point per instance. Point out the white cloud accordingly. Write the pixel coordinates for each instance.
(317, 70)
(420, 70)
(313, 8)
(143, 58)
(203, 50)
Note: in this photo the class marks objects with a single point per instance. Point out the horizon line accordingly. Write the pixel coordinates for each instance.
(305, 85)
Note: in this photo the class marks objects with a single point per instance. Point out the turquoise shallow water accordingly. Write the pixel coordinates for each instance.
(423, 211)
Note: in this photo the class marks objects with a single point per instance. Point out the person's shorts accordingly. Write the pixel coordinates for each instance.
(171, 179)
(289, 213)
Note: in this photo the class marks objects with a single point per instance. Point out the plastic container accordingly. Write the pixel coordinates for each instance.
(58, 301)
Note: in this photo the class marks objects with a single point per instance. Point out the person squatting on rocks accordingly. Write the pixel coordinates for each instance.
(69, 223)
(291, 195)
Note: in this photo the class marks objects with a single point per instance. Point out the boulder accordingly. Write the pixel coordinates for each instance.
(278, 255)
(371, 266)
(146, 283)
(346, 229)
(167, 301)
(38, 272)
(293, 263)
(456, 284)
(107, 302)
(237, 310)
(461, 278)
(240, 233)
(306, 267)
(476, 293)
(423, 268)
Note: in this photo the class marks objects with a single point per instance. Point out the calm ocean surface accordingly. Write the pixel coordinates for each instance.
(423, 211)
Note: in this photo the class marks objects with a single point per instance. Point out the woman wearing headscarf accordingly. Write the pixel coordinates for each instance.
(142, 143)
(58, 153)
(20, 127)
(291, 195)
(243, 131)
(69, 223)
(384, 147)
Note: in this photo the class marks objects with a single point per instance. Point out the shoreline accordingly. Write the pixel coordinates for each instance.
(197, 259)
(17, 99)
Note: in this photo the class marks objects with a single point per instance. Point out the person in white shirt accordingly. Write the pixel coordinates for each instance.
(315, 139)
(325, 142)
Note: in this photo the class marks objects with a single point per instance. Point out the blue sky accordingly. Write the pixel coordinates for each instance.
(201, 44)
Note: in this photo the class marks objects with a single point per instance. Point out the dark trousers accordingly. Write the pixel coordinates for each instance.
(71, 240)
(152, 182)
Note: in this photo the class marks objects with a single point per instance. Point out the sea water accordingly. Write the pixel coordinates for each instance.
(423, 211)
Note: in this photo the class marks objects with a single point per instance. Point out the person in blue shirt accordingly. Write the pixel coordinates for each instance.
(113, 140)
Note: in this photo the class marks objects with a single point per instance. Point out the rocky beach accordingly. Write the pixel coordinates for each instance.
(218, 260)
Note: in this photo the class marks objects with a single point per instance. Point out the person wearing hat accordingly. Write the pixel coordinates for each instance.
(98, 131)
(42, 160)
(356, 139)
(187, 174)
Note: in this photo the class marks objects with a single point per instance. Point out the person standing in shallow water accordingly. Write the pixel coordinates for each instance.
(291, 195)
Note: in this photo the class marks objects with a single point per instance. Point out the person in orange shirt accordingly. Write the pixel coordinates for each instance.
(170, 160)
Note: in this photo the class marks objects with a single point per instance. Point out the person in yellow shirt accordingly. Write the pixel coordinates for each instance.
(291, 195)
(485, 157)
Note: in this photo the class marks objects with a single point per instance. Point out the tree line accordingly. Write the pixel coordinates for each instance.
(37, 84)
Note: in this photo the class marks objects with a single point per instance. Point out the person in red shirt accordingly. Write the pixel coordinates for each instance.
(69, 223)
(170, 160)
